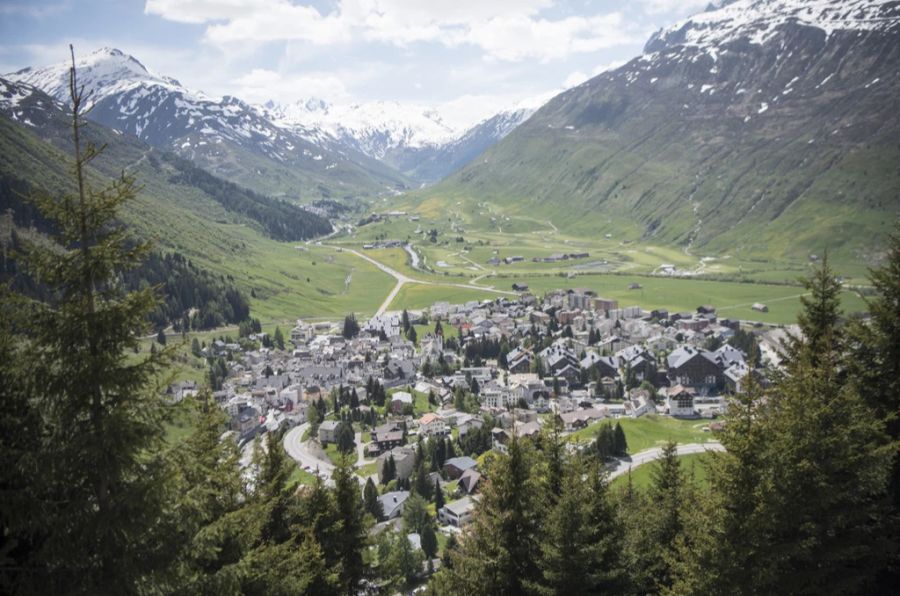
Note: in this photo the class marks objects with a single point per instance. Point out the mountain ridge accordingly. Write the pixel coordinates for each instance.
(726, 145)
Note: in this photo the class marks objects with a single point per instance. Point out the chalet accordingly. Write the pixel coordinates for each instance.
(680, 401)
(580, 418)
(606, 366)
(638, 403)
(520, 287)
(392, 503)
(760, 307)
(455, 466)
(639, 361)
(432, 425)
(694, 368)
(458, 513)
(519, 360)
(469, 480)
(386, 437)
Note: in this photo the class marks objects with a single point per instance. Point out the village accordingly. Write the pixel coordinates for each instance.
(417, 410)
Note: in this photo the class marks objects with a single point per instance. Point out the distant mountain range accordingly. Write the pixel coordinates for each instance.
(413, 139)
(302, 151)
(765, 127)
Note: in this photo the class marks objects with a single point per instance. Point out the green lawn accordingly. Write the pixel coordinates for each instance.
(418, 296)
(332, 452)
(651, 431)
(420, 403)
(300, 476)
(693, 465)
(367, 470)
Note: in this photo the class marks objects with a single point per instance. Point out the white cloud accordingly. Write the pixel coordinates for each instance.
(509, 30)
(260, 85)
(677, 7)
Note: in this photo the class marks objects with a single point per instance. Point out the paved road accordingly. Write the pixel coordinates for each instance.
(404, 279)
(297, 449)
(649, 455)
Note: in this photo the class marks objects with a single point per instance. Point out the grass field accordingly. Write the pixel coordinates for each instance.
(694, 466)
(418, 296)
(729, 283)
(334, 455)
(300, 476)
(651, 431)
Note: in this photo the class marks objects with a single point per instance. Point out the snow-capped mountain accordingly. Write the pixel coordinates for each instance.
(225, 135)
(442, 161)
(414, 139)
(753, 122)
(757, 21)
(375, 128)
(305, 149)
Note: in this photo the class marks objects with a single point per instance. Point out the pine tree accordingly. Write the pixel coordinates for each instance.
(429, 541)
(621, 443)
(821, 433)
(279, 338)
(350, 539)
(728, 535)
(438, 495)
(370, 498)
(501, 547)
(656, 525)
(346, 442)
(101, 488)
(580, 539)
(411, 334)
(389, 472)
(415, 514)
(351, 327)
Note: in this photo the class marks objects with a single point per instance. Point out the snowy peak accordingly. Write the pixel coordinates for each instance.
(375, 128)
(105, 72)
(757, 21)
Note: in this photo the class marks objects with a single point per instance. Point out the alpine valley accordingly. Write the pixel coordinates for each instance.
(763, 128)
(742, 143)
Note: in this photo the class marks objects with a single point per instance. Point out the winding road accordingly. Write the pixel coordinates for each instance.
(404, 279)
(297, 449)
(649, 455)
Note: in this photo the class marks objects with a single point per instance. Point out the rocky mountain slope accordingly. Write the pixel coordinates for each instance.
(759, 126)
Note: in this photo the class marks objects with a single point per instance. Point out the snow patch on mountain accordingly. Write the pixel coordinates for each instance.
(102, 73)
(373, 128)
(757, 21)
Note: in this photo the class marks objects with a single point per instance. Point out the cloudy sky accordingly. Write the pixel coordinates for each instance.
(468, 58)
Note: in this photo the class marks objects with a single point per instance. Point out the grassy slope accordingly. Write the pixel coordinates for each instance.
(651, 431)
(290, 280)
(660, 161)
(694, 465)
